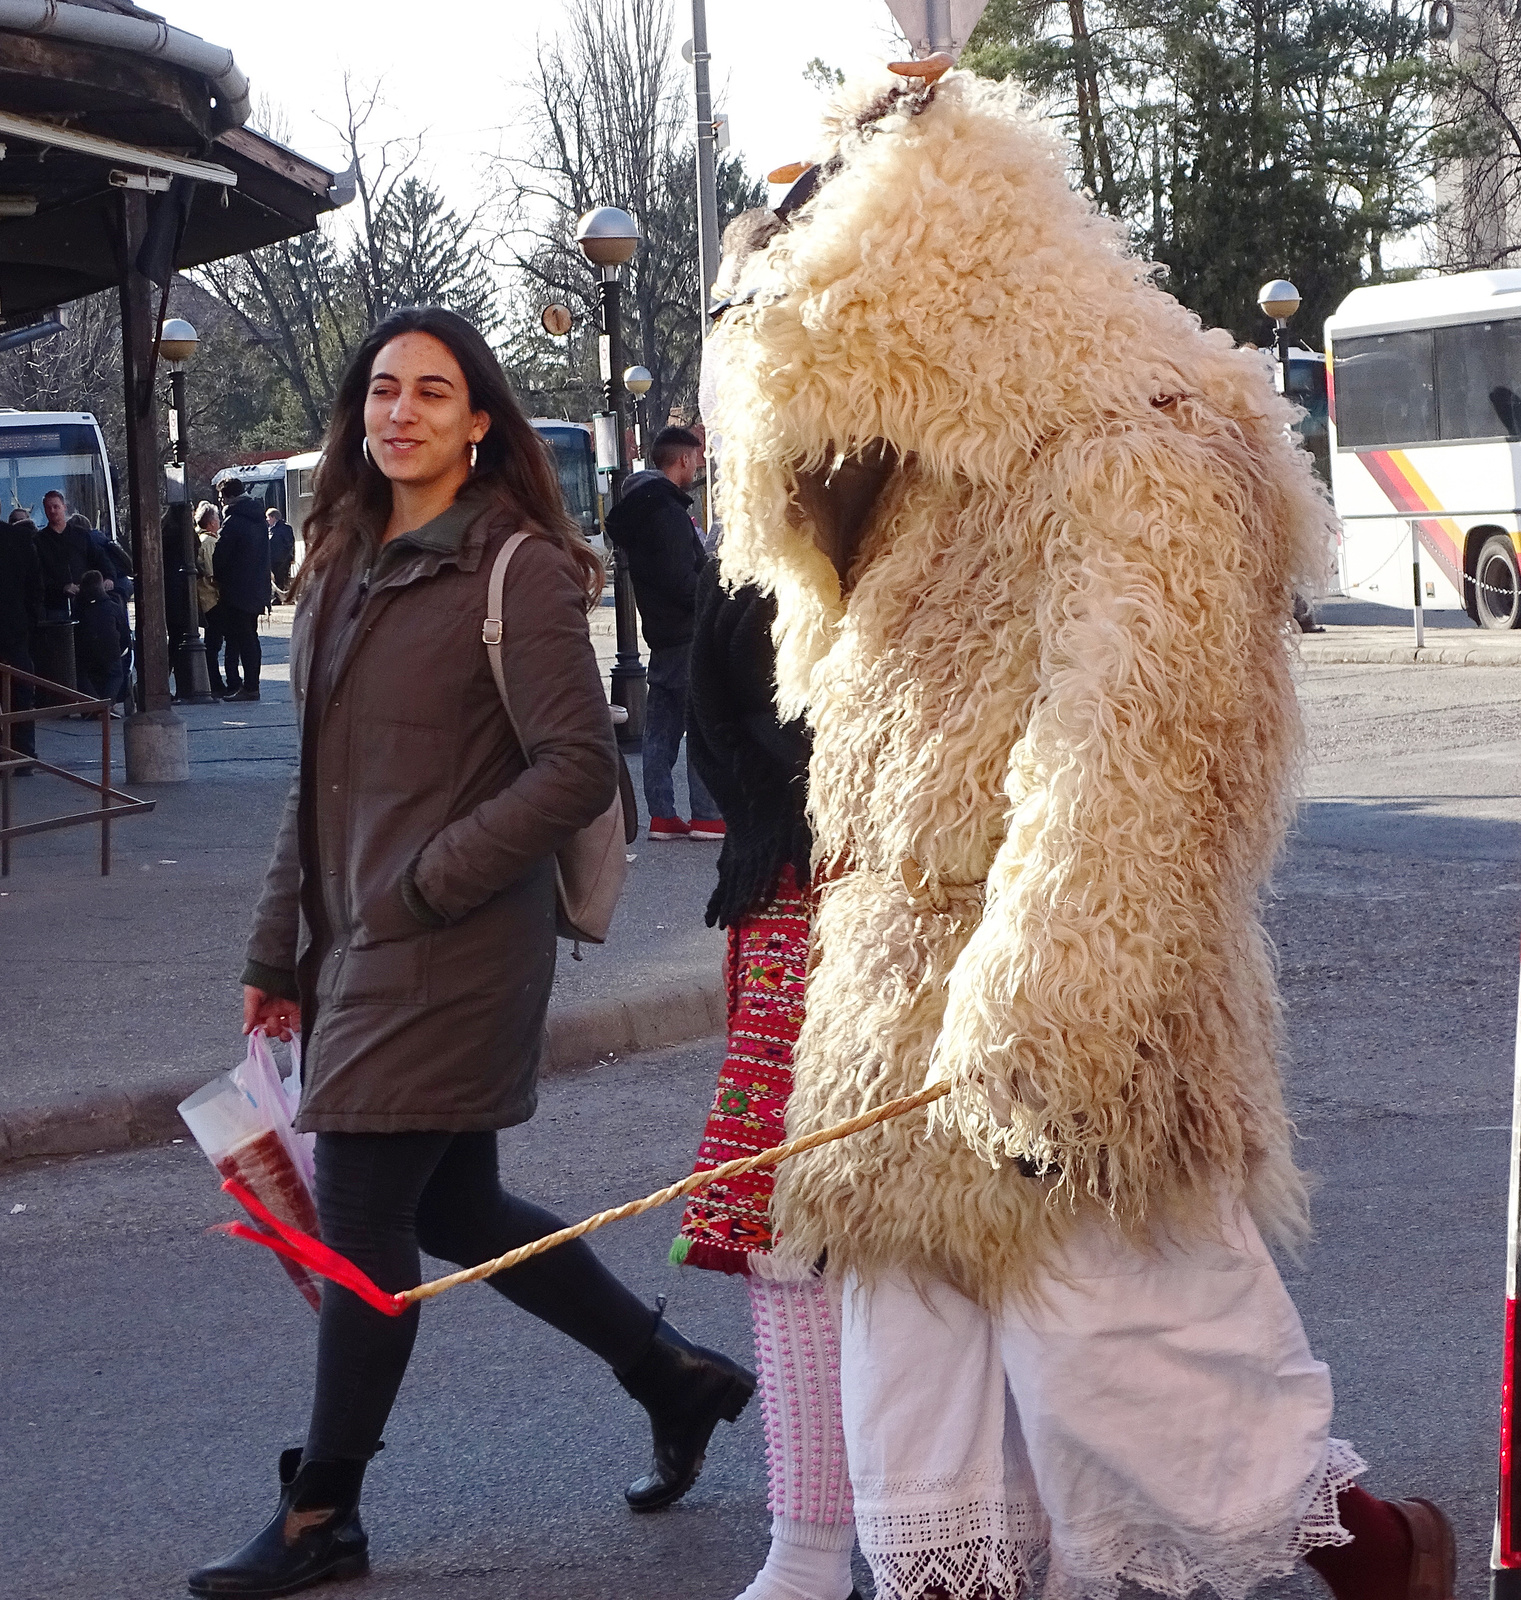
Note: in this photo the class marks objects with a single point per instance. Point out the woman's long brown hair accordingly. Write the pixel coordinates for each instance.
(513, 464)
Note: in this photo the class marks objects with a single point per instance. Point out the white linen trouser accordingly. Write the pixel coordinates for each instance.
(1152, 1417)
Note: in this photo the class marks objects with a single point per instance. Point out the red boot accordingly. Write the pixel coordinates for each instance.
(1400, 1550)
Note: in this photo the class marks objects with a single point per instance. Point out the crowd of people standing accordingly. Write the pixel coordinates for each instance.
(63, 574)
(62, 578)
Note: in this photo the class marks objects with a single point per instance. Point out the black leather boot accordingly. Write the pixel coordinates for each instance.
(315, 1534)
(687, 1391)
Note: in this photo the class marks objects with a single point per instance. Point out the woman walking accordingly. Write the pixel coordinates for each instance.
(756, 768)
(407, 923)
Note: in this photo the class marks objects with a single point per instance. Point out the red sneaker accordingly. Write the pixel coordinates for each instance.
(707, 828)
(668, 828)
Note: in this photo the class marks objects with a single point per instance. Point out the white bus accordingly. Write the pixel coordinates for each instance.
(285, 484)
(1425, 410)
(63, 450)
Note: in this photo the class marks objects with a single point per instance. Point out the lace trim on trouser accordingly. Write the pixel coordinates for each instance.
(797, 1358)
(983, 1546)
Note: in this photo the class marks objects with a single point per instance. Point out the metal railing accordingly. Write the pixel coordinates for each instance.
(67, 703)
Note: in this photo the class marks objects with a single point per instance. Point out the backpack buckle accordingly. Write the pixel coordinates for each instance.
(491, 631)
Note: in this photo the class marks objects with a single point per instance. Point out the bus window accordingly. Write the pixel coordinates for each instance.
(64, 456)
(1385, 391)
(1478, 370)
(578, 484)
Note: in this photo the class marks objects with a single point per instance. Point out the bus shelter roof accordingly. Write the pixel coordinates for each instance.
(80, 121)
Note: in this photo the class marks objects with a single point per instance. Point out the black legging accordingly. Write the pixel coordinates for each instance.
(380, 1197)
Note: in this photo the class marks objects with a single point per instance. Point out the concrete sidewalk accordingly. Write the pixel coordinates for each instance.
(119, 996)
(1359, 632)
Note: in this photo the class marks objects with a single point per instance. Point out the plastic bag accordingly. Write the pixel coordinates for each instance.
(242, 1121)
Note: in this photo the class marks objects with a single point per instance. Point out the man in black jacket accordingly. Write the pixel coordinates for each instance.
(241, 569)
(64, 554)
(282, 550)
(20, 612)
(652, 525)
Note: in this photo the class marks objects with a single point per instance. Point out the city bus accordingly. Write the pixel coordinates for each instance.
(284, 484)
(575, 461)
(1424, 384)
(63, 450)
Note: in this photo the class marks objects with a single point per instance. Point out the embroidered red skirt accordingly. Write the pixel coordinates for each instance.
(767, 968)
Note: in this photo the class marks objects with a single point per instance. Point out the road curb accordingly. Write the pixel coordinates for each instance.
(1327, 653)
(577, 1036)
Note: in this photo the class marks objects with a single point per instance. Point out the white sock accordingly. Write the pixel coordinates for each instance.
(806, 1561)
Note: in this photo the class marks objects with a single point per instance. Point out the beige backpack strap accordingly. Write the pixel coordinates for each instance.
(491, 629)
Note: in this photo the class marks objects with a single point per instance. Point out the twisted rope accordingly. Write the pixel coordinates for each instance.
(698, 1180)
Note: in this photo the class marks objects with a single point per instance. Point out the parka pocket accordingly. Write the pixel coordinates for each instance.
(395, 972)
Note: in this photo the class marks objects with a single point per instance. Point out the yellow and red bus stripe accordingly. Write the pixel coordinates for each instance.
(1410, 494)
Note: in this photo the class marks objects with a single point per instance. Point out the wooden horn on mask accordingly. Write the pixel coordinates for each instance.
(790, 173)
(931, 68)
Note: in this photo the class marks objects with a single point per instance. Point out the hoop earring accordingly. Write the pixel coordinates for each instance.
(364, 450)
(472, 457)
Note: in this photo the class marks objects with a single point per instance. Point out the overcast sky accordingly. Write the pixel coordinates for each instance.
(449, 67)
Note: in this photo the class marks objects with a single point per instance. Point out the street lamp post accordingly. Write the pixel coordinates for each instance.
(638, 382)
(1280, 300)
(177, 344)
(608, 237)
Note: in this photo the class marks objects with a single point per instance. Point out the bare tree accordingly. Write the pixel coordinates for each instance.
(607, 126)
(307, 302)
(1478, 141)
(76, 370)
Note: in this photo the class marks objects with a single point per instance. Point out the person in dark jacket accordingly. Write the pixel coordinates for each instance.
(240, 567)
(282, 550)
(64, 552)
(407, 923)
(102, 640)
(106, 556)
(178, 617)
(652, 525)
(756, 766)
(20, 612)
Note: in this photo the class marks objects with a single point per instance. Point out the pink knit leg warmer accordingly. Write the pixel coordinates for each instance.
(797, 1358)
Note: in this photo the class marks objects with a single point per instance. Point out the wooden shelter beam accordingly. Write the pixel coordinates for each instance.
(139, 333)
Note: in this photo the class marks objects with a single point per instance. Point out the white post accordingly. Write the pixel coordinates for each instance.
(1415, 567)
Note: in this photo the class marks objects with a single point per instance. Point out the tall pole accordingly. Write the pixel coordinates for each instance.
(629, 686)
(707, 205)
(191, 671)
(707, 168)
(142, 463)
(155, 735)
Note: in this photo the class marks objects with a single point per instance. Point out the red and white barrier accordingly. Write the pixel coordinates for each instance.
(1505, 1556)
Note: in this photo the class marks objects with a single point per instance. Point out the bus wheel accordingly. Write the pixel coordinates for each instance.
(1497, 584)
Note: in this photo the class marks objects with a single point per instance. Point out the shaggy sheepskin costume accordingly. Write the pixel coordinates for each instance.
(1054, 722)
(1033, 535)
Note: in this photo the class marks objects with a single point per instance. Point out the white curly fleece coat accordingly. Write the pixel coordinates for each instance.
(1054, 722)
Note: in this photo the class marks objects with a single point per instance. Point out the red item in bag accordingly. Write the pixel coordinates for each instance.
(242, 1121)
(263, 1165)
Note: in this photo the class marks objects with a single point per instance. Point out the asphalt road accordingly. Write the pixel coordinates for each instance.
(151, 1374)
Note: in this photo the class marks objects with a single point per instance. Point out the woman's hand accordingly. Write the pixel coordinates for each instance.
(270, 1013)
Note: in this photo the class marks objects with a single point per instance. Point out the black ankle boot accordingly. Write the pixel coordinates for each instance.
(315, 1534)
(687, 1391)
